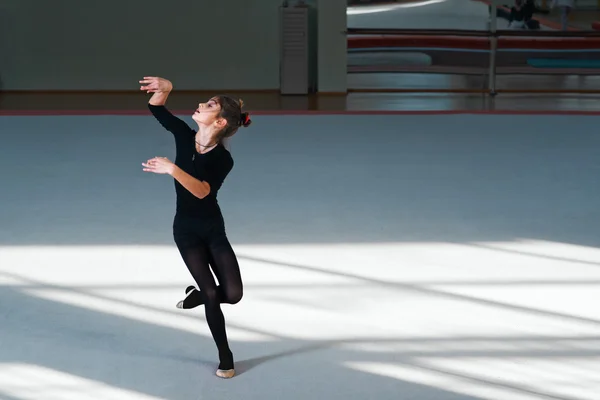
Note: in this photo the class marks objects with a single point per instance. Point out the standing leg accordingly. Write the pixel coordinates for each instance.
(227, 271)
(197, 260)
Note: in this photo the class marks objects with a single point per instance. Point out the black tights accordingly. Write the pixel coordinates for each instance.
(204, 245)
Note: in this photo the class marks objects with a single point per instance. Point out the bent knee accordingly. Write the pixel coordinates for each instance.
(234, 295)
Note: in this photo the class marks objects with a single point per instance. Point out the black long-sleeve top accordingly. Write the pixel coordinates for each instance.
(212, 167)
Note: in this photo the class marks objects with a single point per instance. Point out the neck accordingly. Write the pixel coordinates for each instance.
(205, 140)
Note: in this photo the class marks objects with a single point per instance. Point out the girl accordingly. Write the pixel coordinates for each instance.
(200, 167)
(565, 7)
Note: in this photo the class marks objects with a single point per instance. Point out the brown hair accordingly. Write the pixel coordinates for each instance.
(231, 111)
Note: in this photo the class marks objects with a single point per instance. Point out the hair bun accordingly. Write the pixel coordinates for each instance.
(245, 120)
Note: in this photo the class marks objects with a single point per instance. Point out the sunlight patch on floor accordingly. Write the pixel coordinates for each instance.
(357, 290)
(33, 382)
(507, 320)
(440, 379)
(497, 378)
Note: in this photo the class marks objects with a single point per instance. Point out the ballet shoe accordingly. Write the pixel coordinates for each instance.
(188, 291)
(225, 369)
(225, 373)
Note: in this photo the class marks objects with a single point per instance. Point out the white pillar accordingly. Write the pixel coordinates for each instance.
(332, 46)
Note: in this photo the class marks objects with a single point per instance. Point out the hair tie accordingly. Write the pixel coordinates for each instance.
(245, 119)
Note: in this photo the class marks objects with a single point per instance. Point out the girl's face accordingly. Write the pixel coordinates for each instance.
(207, 113)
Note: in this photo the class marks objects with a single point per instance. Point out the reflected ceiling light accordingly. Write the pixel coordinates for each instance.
(377, 9)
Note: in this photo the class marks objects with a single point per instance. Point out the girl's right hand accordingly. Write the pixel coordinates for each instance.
(154, 84)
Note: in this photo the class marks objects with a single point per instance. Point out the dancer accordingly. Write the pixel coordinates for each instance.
(565, 7)
(201, 165)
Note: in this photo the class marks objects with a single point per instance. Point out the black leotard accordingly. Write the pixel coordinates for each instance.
(211, 167)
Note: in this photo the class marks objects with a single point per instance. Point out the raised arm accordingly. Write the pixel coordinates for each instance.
(160, 89)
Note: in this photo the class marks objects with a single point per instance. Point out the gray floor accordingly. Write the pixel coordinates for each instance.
(384, 257)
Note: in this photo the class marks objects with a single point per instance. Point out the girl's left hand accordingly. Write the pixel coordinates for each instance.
(159, 165)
